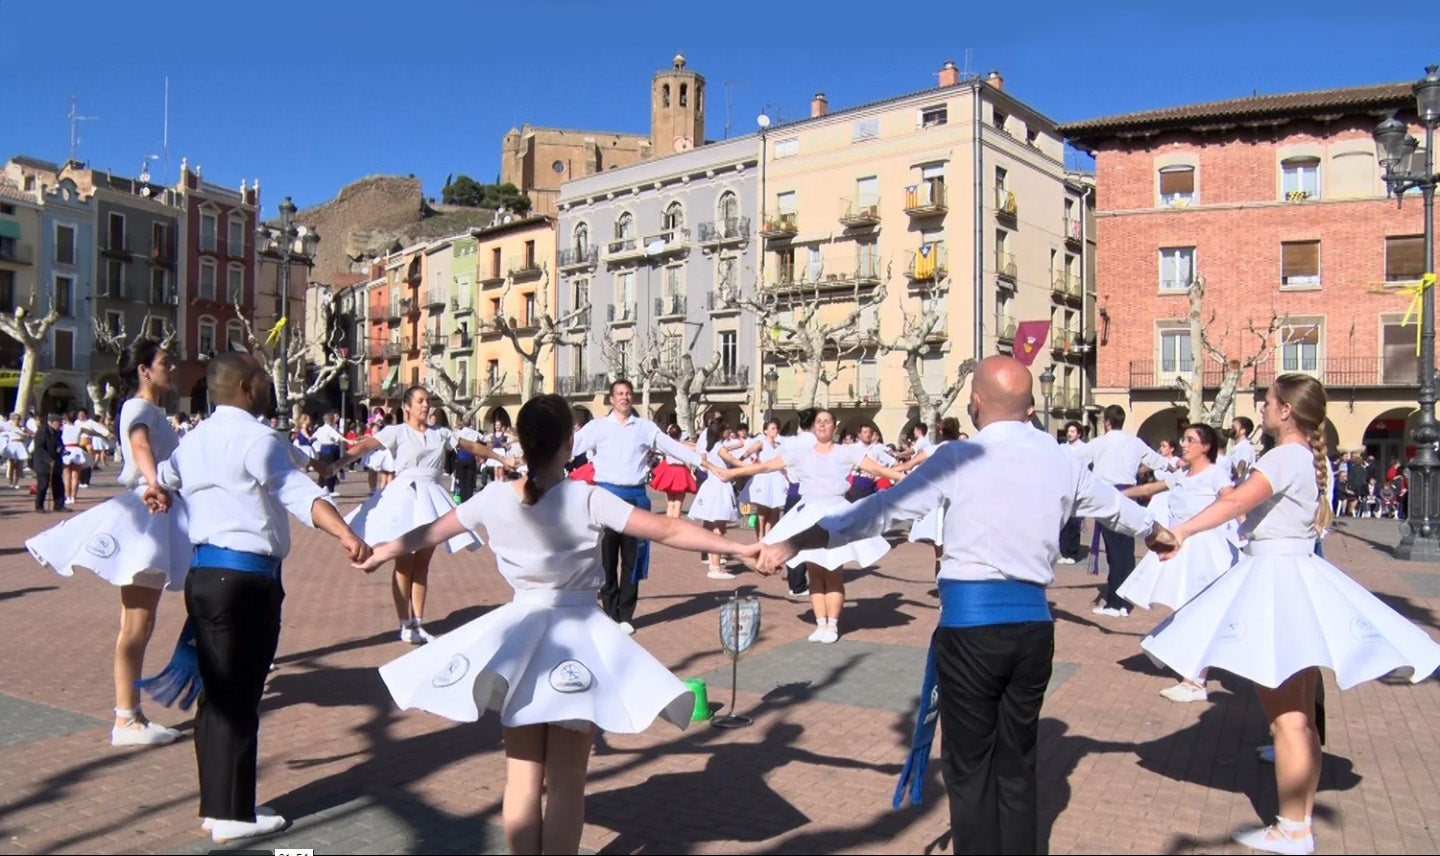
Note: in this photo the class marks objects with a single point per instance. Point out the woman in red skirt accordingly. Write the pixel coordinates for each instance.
(673, 478)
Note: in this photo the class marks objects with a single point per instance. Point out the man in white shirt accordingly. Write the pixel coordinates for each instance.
(991, 656)
(238, 479)
(1242, 452)
(329, 445)
(619, 445)
(466, 469)
(1116, 457)
(1070, 532)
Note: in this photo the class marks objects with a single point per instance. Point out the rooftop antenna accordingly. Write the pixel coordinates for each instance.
(965, 73)
(165, 144)
(729, 101)
(75, 120)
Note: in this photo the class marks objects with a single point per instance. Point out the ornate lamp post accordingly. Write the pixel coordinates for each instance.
(285, 244)
(1047, 388)
(1403, 171)
(772, 389)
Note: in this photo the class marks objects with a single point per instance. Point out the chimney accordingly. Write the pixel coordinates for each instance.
(819, 105)
(995, 80)
(949, 74)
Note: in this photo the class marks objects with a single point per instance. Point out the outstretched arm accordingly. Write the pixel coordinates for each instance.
(774, 465)
(870, 467)
(1140, 491)
(684, 535)
(421, 537)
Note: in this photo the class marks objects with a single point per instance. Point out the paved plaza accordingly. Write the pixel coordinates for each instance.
(1121, 769)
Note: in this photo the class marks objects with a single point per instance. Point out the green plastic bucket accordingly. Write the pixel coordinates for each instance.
(702, 700)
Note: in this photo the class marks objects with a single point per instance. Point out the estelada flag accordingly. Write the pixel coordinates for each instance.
(1030, 337)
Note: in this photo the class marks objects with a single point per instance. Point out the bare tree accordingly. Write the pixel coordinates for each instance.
(118, 343)
(548, 331)
(449, 393)
(31, 332)
(1204, 336)
(640, 358)
(686, 378)
(915, 342)
(322, 356)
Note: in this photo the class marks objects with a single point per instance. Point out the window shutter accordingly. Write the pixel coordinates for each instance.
(1300, 259)
(1404, 257)
(1177, 180)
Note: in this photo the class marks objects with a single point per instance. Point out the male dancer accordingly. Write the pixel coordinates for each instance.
(619, 445)
(329, 445)
(991, 657)
(238, 479)
(1070, 532)
(1242, 452)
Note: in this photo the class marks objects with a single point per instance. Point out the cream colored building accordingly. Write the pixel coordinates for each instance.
(955, 200)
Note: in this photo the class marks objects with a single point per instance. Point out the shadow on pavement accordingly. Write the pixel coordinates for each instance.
(21, 592)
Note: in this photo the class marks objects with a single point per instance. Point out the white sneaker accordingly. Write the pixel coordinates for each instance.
(260, 811)
(420, 634)
(222, 831)
(407, 634)
(720, 575)
(829, 634)
(1109, 612)
(800, 595)
(818, 634)
(627, 628)
(1063, 560)
(149, 734)
(1185, 693)
(1270, 839)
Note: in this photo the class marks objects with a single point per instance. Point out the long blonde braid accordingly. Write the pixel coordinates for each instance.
(1324, 515)
(1306, 397)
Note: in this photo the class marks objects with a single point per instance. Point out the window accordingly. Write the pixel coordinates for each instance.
(1002, 250)
(1400, 363)
(64, 295)
(114, 322)
(1177, 268)
(1177, 186)
(998, 119)
(931, 117)
(787, 202)
(785, 265)
(728, 274)
(867, 259)
(462, 370)
(65, 245)
(235, 245)
(729, 208)
(64, 349)
(787, 148)
(864, 129)
(531, 319)
(495, 307)
(729, 352)
(209, 232)
(1032, 138)
(159, 282)
(665, 95)
(1352, 175)
(1300, 263)
(581, 239)
(625, 226)
(684, 95)
(492, 373)
(7, 291)
(1176, 356)
(867, 196)
(1404, 258)
(114, 279)
(577, 361)
(1002, 179)
(234, 285)
(155, 328)
(116, 232)
(159, 241)
(1300, 348)
(207, 280)
(235, 336)
(495, 263)
(674, 281)
(1300, 179)
(674, 217)
(580, 293)
(624, 292)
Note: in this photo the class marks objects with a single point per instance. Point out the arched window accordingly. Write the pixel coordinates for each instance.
(665, 95)
(581, 240)
(625, 226)
(205, 340)
(684, 94)
(235, 336)
(729, 207)
(674, 217)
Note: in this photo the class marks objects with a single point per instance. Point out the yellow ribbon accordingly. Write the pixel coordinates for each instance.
(275, 332)
(1416, 293)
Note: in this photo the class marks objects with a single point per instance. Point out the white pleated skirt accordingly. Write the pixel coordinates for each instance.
(1201, 561)
(75, 458)
(930, 528)
(14, 452)
(1282, 609)
(715, 502)
(403, 505)
(548, 657)
(121, 542)
(805, 514)
(768, 489)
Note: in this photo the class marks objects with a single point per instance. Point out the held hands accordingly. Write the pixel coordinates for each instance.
(750, 556)
(1163, 542)
(358, 551)
(156, 499)
(375, 558)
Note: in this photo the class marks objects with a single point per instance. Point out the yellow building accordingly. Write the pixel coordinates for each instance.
(954, 201)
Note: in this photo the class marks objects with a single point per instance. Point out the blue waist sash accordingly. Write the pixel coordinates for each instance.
(978, 603)
(223, 558)
(638, 496)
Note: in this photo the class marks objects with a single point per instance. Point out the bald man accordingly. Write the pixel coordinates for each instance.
(239, 479)
(1009, 491)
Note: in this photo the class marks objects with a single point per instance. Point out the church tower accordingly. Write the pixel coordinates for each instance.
(677, 110)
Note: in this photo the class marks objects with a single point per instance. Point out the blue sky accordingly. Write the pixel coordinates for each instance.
(311, 96)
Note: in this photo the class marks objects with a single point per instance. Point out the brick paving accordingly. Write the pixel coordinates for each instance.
(1122, 770)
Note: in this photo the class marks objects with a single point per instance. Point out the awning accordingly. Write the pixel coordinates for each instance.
(9, 229)
(391, 380)
(10, 379)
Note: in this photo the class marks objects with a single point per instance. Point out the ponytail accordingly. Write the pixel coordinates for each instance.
(531, 490)
(1324, 515)
(543, 425)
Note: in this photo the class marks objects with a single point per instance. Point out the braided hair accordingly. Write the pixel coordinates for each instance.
(1306, 397)
(543, 425)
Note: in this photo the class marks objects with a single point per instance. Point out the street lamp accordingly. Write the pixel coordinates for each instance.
(286, 244)
(1404, 171)
(344, 391)
(772, 389)
(1047, 388)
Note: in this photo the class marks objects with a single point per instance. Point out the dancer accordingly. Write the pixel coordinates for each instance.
(550, 662)
(1070, 532)
(619, 446)
(767, 492)
(673, 478)
(15, 437)
(1242, 452)
(414, 497)
(1283, 611)
(329, 444)
(930, 529)
(48, 462)
(1204, 557)
(991, 657)
(715, 506)
(823, 471)
(466, 470)
(123, 544)
(1160, 502)
(238, 479)
(76, 459)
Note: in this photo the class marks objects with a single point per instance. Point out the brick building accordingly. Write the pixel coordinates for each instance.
(1277, 202)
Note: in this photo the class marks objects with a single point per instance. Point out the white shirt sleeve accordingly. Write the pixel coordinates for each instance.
(471, 512)
(608, 511)
(389, 437)
(918, 494)
(268, 462)
(1105, 504)
(584, 442)
(674, 448)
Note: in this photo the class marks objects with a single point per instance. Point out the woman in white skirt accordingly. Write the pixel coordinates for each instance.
(1283, 611)
(1160, 503)
(550, 662)
(930, 528)
(823, 472)
(1205, 556)
(715, 506)
(75, 459)
(16, 450)
(417, 495)
(767, 492)
(125, 545)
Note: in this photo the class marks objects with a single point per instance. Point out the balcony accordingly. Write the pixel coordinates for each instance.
(409, 306)
(1350, 372)
(491, 329)
(1005, 328)
(461, 306)
(860, 211)
(1006, 206)
(163, 254)
(375, 350)
(16, 252)
(718, 233)
(722, 300)
(670, 306)
(927, 264)
(494, 280)
(415, 274)
(577, 258)
(116, 245)
(433, 299)
(926, 199)
(730, 377)
(393, 350)
(623, 249)
(394, 314)
(1065, 286)
(492, 387)
(1074, 230)
(111, 289)
(525, 268)
(617, 314)
(1005, 266)
(578, 320)
(461, 342)
(436, 341)
(165, 295)
(1062, 339)
(666, 242)
(1146, 374)
(582, 384)
(781, 226)
(1064, 400)
(864, 272)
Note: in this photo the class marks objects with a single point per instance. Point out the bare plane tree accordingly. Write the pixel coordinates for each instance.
(641, 359)
(118, 343)
(548, 331)
(687, 380)
(916, 340)
(323, 356)
(1204, 334)
(31, 332)
(449, 393)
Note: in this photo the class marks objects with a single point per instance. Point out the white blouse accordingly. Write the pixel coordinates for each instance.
(1290, 511)
(135, 413)
(413, 449)
(823, 475)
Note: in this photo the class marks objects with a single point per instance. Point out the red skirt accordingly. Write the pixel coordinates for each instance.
(584, 473)
(673, 478)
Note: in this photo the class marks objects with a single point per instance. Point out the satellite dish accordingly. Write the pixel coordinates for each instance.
(654, 247)
(763, 121)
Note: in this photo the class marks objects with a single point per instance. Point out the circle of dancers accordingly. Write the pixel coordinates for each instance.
(206, 514)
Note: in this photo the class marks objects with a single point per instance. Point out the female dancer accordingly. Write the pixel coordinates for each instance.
(550, 662)
(823, 470)
(715, 506)
(1283, 611)
(15, 451)
(931, 527)
(765, 493)
(127, 546)
(415, 496)
(673, 478)
(305, 437)
(76, 458)
(1205, 556)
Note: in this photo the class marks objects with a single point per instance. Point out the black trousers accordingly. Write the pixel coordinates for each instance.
(1120, 556)
(50, 482)
(620, 593)
(329, 455)
(1070, 539)
(992, 683)
(465, 472)
(237, 624)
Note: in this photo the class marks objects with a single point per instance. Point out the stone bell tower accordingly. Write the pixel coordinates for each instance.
(677, 109)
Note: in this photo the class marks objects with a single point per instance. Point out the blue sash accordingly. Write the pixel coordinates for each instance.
(979, 603)
(179, 683)
(638, 496)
